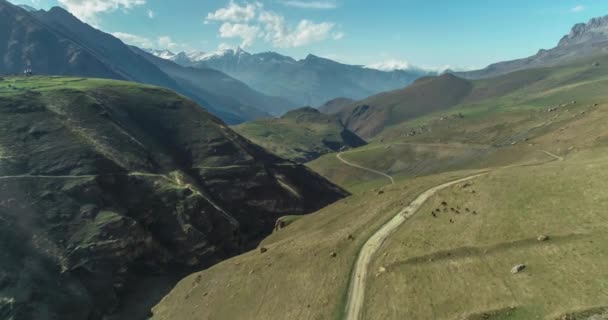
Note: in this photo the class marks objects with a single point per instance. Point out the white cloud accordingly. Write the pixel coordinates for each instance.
(305, 33)
(390, 65)
(134, 39)
(165, 42)
(87, 10)
(162, 42)
(151, 14)
(234, 13)
(251, 21)
(246, 32)
(578, 8)
(310, 4)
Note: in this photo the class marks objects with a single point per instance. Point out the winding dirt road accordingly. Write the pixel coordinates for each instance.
(356, 291)
(339, 156)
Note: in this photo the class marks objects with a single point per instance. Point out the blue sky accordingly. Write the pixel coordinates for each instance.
(426, 33)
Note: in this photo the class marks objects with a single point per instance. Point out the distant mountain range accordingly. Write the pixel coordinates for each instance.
(308, 82)
(221, 89)
(55, 42)
(370, 116)
(584, 40)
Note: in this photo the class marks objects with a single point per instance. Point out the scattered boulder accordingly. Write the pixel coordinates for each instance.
(518, 268)
(444, 203)
(380, 192)
(596, 64)
(542, 238)
(333, 254)
(351, 237)
(263, 249)
(381, 270)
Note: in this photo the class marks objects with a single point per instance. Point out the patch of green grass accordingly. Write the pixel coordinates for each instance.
(301, 135)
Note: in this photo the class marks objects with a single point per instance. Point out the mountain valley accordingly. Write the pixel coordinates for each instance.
(144, 179)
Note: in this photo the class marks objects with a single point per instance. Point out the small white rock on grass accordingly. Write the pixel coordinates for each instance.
(518, 268)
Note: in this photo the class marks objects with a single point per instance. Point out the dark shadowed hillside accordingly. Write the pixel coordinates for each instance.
(26, 41)
(107, 188)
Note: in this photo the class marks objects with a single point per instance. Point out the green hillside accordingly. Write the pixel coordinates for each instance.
(301, 135)
(539, 139)
(428, 100)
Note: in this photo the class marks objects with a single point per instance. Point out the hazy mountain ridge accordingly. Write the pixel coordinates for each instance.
(221, 89)
(310, 81)
(55, 42)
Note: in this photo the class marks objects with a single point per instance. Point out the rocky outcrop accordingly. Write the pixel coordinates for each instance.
(585, 40)
(596, 30)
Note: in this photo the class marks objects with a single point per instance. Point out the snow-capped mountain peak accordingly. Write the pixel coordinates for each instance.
(164, 54)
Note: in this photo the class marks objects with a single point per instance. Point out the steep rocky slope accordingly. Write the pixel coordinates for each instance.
(584, 40)
(301, 135)
(55, 42)
(26, 41)
(107, 186)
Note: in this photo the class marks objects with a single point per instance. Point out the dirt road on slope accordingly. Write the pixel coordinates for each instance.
(356, 290)
(339, 156)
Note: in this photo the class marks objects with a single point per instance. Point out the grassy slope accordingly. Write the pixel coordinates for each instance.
(436, 261)
(370, 116)
(296, 278)
(496, 123)
(565, 200)
(301, 135)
